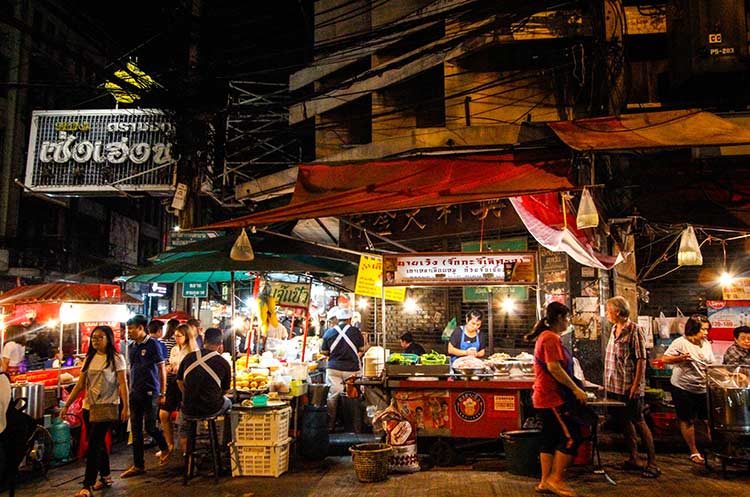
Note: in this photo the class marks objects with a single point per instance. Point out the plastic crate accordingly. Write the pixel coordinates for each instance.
(260, 427)
(270, 460)
(665, 423)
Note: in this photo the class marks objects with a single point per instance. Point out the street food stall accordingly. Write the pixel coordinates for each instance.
(61, 316)
(479, 402)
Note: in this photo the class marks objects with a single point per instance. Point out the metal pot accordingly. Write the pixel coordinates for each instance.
(318, 393)
(730, 409)
(34, 395)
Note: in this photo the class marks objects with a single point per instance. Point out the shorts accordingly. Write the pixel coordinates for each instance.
(633, 410)
(689, 405)
(560, 433)
(173, 398)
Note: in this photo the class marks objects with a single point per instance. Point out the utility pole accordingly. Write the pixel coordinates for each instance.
(608, 92)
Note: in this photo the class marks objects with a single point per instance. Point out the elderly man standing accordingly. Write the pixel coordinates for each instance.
(625, 378)
(148, 389)
(342, 344)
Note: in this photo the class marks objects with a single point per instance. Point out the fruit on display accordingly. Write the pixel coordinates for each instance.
(251, 381)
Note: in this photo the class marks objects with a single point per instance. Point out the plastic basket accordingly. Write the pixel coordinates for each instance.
(371, 461)
(260, 427)
(270, 460)
(665, 423)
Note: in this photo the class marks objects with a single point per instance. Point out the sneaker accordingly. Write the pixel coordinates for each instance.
(132, 471)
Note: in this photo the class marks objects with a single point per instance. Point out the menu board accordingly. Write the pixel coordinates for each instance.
(553, 275)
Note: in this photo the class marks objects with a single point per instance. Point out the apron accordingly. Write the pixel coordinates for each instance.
(343, 336)
(474, 344)
(200, 361)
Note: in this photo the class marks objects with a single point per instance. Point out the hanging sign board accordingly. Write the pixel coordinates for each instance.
(459, 269)
(370, 280)
(195, 289)
(478, 293)
(291, 294)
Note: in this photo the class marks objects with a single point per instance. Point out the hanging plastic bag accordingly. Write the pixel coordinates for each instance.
(448, 330)
(242, 250)
(663, 326)
(678, 323)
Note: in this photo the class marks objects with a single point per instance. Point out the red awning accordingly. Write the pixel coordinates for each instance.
(338, 190)
(66, 292)
(648, 130)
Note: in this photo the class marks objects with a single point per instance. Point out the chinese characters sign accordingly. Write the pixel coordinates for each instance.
(456, 268)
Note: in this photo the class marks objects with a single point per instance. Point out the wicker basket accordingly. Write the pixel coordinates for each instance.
(371, 461)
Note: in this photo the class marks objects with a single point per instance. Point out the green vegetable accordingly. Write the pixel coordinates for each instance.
(433, 358)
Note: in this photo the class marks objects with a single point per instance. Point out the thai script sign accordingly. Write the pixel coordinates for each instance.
(370, 280)
(100, 151)
(457, 269)
(291, 294)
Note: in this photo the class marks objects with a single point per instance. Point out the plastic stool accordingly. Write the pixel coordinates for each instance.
(190, 449)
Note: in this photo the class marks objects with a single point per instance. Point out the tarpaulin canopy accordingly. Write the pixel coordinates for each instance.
(648, 130)
(388, 185)
(66, 292)
(543, 217)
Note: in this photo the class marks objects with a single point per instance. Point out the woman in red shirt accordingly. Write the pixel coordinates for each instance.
(554, 392)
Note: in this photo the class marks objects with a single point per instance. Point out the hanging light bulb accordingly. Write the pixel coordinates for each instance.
(242, 250)
(587, 216)
(689, 253)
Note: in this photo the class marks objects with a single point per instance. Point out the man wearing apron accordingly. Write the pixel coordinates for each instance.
(204, 377)
(467, 340)
(342, 344)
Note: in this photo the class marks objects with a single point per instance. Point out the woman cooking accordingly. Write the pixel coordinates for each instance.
(467, 340)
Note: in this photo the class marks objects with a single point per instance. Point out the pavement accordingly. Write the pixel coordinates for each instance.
(336, 476)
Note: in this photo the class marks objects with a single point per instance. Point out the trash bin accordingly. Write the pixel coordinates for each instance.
(522, 451)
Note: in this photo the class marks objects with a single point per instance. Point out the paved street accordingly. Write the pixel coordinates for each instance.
(336, 477)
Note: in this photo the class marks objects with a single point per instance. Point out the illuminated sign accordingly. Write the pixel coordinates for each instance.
(460, 269)
(108, 150)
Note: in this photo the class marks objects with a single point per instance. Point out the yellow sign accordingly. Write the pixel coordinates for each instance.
(370, 280)
(739, 289)
(133, 76)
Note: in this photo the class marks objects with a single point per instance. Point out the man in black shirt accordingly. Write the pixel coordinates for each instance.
(204, 378)
(409, 345)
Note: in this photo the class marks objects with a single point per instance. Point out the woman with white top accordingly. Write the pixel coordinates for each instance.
(185, 342)
(103, 378)
(14, 350)
(689, 355)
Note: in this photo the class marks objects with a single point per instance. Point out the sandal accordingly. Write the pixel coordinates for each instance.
(542, 489)
(132, 471)
(629, 465)
(651, 472)
(697, 458)
(104, 482)
(164, 456)
(84, 492)
(561, 491)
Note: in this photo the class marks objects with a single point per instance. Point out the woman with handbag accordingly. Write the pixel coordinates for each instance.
(103, 377)
(556, 397)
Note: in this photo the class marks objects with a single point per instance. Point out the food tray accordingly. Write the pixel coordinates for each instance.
(418, 369)
(271, 460)
(260, 427)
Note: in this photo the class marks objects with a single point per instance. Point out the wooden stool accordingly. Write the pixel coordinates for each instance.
(213, 435)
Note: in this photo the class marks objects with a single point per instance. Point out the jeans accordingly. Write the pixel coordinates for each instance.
(144, 407)
(97, 457)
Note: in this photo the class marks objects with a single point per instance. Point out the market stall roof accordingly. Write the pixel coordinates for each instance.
(387, 185)
(649, 130)
(178, 315)
(66, 292)
(218, 266)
